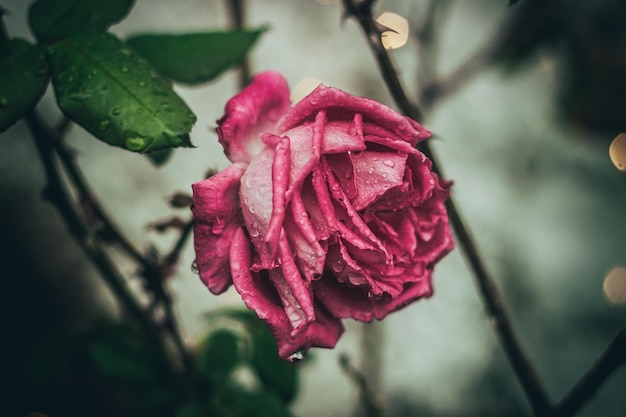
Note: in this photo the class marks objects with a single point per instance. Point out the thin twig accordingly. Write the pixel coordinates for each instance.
(611, 359)
(524, 371)
(236, 10)
(367, 396)
(58, 195)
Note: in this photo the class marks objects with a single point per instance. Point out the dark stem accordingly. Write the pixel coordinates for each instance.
(366, 394)
(611, 359)
(154, 274)
(236, 10)
(524, 371)
(57, 194)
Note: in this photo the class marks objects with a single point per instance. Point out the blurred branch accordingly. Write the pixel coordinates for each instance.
(92, 217)
(362, 11)
(426, 32)
(236, 10)
(524, 371)
(367, 396)
(611, 359)
(57, 194)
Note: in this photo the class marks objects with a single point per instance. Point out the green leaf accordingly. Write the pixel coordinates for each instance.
(51, 20)
(102, 85)
(278, 375)
(195, 58)
(160, 156)
(219, 355)
(121, 352)
(24, 76)
(235, 401)
(191, 409)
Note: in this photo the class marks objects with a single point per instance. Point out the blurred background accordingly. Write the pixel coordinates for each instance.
(523, 131)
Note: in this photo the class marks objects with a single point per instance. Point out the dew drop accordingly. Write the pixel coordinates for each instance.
(384, 175)
(218, 226)
(253, 229)
(142, 84)
(104, 125)
(370, 171)
(297, 356)
(125, 68)
(194, 267)
(348, 175)
(136, 142)
(389, 163)
(338, 266)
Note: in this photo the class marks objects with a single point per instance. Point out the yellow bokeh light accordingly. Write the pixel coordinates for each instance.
(303, 88)
(617, 152)
(399, 33)
(615, 285)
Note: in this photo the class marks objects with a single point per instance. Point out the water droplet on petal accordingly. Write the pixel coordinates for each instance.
(298, 356)
(194, 267)
(218, 226)
(370, 171)
(338, 266)
(253, 229)
(389, 163)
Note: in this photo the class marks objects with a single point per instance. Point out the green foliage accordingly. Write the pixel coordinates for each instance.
(121, 352)
(160, 156)
(237, 402)
(195, 58)
(24, 76)
(243, 340)
(51, 20)
(276, 374)
(102, 85)
(219, 355)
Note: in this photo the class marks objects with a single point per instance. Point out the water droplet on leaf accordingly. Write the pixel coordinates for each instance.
(136, 142)
(104, 125)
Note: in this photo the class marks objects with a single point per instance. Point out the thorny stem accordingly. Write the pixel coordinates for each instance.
(611, 359)
(96, 213)
(526, 375)
(367, 396)
(58, 195)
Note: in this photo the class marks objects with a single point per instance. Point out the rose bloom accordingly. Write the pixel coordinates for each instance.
(327, 212)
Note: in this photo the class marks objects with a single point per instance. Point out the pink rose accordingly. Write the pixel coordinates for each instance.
(327, 212)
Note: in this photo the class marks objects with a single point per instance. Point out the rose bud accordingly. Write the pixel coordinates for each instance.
(327, 212)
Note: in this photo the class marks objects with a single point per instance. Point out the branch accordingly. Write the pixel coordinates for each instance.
(367, 396)
(57, 194)
(524, 371)
(611, 359)
(236, 10)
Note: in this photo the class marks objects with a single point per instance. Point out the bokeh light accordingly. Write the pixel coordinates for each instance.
(617, 152)
(399, 33)
(615, 285)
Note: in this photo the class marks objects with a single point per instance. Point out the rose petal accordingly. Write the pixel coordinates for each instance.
(340, 136)
(215, 211)
(349, 302)
(342, 106)
(281, 166)
(253, 111)
(259, 295)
